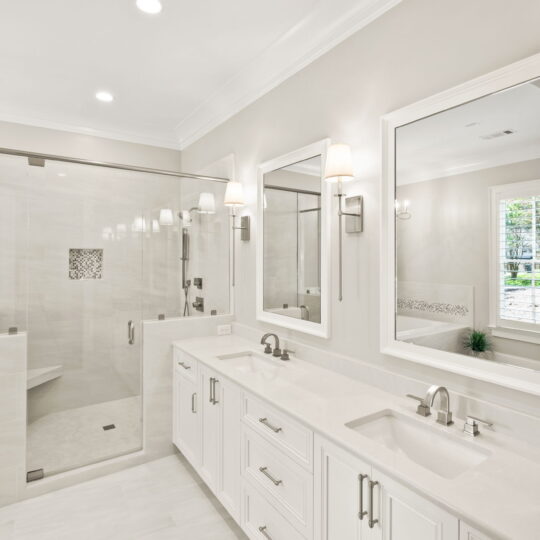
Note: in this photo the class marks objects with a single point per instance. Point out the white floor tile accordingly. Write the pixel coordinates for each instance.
(161, 500)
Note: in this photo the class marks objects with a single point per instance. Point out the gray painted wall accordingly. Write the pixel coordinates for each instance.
(415, 50)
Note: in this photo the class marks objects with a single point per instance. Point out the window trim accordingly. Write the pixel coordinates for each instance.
(506, 328)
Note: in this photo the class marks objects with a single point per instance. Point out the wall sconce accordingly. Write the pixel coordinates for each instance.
(402, 209)
(234, 197)
(166, 217)
(185, 217)
(339, 169)
(207, 203)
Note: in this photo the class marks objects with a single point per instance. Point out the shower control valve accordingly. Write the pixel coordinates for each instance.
(199, 303)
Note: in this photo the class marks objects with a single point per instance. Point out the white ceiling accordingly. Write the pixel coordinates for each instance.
(175, 76)
(454, 141)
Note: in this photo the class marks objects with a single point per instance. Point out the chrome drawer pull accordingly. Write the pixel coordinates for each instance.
(264, 470)
(184, 365)
(193, 398)
(362, 512)
(262, 530)
(372, 521)
(214, 400)
(269, 425)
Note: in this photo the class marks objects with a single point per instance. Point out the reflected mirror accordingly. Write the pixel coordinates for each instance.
(467, 220)
(291, 268)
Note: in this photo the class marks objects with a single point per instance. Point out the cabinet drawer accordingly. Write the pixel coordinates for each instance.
(185, 365)
(287, 434)
(261, 521)
(285, 483)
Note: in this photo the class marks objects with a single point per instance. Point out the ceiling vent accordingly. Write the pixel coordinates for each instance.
(497, 134)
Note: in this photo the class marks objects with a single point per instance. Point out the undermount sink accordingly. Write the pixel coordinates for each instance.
(250, 362)
(424, 444)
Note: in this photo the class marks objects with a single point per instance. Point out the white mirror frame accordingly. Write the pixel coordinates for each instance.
(321, 329)
(513, 377)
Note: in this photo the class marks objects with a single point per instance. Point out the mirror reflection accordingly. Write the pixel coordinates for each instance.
(468, 229)
(292, 240)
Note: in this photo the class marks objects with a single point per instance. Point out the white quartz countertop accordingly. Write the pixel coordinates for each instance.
(500, 496)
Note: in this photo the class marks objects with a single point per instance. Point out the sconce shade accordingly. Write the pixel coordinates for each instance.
(234, 194)
(207, 204)
(338, 163)
(166, 216)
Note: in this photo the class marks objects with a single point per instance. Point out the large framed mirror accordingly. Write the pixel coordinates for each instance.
(461, 245)
(292, 262)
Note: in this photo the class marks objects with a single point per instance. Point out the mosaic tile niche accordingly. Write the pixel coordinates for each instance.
(85, 263)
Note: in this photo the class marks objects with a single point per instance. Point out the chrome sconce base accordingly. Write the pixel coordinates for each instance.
(354, 214)
(354, 223)
(245, 234)
(245, 227)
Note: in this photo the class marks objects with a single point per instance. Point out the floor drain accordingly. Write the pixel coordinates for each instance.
(110, 426)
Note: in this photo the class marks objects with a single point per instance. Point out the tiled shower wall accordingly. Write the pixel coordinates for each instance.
(81, 324)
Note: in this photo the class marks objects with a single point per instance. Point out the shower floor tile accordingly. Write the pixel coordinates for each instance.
(160, 500)
(69, 439)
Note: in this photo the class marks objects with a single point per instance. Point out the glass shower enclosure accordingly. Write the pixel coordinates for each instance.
(86, 254)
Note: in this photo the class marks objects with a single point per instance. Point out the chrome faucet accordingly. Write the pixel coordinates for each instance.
(268, 348)
(444, 416)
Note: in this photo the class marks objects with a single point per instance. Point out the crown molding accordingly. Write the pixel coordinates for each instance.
(304, 43)
(117, 135)
(329, 23)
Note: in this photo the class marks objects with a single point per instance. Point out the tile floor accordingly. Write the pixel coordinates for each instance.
(69, 439)
(160, 500)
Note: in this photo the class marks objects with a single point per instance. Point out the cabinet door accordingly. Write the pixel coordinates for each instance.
(466, 532)
(229, 403)
(186, 418)
(341, 502)
(210, 411)
(405, 515)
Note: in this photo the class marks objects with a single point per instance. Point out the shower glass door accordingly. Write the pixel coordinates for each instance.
(85, 230)
(86, 253)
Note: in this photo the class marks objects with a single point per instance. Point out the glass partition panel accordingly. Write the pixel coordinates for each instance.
(86, 254)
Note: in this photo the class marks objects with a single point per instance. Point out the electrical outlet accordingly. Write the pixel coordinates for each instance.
(223, 329)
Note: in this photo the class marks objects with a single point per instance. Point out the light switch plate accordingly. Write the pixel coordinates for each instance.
(223, 329)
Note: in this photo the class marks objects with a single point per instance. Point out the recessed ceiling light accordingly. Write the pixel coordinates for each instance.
(149, 6)
(62, 174)
(106, 97)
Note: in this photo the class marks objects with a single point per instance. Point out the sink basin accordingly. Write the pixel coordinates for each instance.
(249, 362)
(424, 444)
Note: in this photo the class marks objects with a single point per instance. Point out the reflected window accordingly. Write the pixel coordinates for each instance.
(518, 249)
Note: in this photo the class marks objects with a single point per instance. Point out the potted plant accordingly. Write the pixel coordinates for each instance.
(477, 343)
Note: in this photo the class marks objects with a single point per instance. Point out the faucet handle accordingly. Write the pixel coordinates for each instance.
(423, 408)
(267, 348)
(285, 354)
(471, 425)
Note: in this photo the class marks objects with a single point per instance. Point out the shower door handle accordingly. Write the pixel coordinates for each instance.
(131, 332)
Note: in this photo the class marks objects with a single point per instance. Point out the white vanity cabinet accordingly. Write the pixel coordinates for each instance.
(340, 494)
(281, 481)
(405, 515)
(354, 501)
(206, 427)
(220, 438)
(186, 417)
(277, 472)
(466, 532)
(210, 436)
